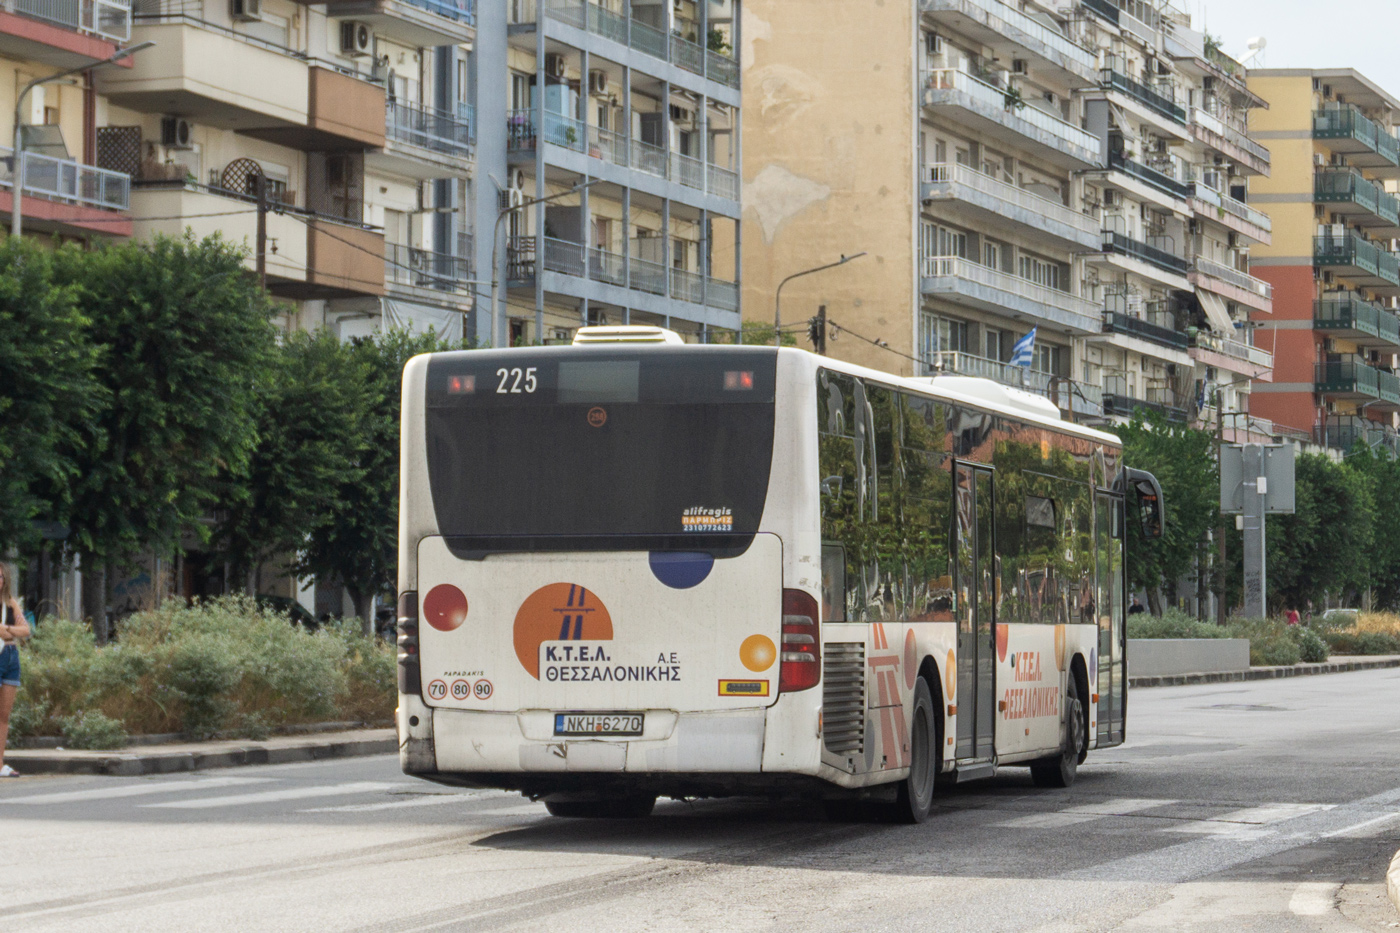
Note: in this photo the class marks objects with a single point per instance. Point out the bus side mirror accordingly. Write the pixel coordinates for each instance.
(1149, 501)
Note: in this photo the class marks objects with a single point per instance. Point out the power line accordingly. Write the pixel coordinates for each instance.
(874, 343)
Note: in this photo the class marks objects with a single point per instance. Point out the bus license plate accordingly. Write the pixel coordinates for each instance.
(597, 723)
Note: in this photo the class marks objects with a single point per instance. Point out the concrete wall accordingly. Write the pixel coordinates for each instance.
(1149, 657)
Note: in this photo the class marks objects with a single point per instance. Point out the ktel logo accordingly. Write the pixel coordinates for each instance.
(558, 612)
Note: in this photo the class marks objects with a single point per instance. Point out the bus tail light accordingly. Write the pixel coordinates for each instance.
(410, 672)
(801, 666)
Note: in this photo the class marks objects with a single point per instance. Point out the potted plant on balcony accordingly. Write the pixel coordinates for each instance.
(570, 136)
(1012, 98)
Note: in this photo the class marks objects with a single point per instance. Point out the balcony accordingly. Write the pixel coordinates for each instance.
(1361, 322)
(1141, 94)
(1365, 143)
(1362, 201)
(1155, 256)
(425, 274)
(671, 48)
(1345, 432)
(342, 112)
(1152, 331)
(1067, 395)
(522, 137)
(1210, 130)
(423, 143)
(1119, 400)
(1357, 259)
(998, 202)
(66, 196)
(424, 23)
(64, 33)
(998, 25)
(994, 111)
(976, 286)
(1134, 16)
(1149, 176)
(1231, 355)
(1230, 213)
(1228, 282)
(1350, 379)
(617, 272)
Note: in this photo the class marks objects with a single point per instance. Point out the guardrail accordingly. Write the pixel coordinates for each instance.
(1153, 255)
(611, 24)
(68, 180)
(1023, 23)
(569, 258)
(426, 128)
(1211, 124)
(423, 268)
(1234, 277)
(109, 19)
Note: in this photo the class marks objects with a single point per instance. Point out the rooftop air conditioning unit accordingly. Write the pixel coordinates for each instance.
(554, 65)
(245, 11)
(598, 83)
(176, 133)
(356, 39)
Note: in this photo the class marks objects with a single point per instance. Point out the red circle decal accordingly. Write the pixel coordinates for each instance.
(445, 607)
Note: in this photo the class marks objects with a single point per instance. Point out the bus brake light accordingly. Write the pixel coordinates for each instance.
(801, 651)
(740, 380)
(410, 674)
(461, 385)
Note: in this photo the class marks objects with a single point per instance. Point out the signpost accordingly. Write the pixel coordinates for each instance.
(1256, 480)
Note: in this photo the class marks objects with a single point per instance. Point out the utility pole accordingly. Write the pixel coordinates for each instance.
(816, 330)
(1255, 492)
(1220, 532)
(260, 184)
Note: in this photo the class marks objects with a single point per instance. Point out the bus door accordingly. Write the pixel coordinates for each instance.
(976, 609)
(1112, 681)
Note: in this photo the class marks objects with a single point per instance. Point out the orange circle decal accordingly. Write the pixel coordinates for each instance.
(911, 657)
(597, 417)
(758, 653)
(1059, 647)
(558, 612)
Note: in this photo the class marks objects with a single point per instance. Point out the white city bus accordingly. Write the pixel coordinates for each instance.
(630, 570)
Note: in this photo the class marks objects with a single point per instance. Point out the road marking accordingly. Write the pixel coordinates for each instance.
(1251, 819)
(273, 796)
(134, 790)
(1353, 829)
(427, 800)
(1313, 899)
(1070, 816)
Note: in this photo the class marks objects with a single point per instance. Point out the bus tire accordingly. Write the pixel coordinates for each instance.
(915, 797)
(1060, 770)
(632, 807)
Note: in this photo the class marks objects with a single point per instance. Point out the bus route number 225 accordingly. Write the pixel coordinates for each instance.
(517, 380)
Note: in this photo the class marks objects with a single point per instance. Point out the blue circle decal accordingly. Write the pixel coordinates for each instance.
(680, 570)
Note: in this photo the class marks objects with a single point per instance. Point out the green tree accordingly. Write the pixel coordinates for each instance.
(310, 450)
(356, 545)
(1384, 474)
(48, 392)
(1182, 458)
(1324, 547)
(187, 336)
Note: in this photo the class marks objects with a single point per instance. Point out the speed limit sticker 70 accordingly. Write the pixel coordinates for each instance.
(437, 690)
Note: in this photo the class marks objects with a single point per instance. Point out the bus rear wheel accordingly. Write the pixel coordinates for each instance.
(631, 807)
(1061, 770)
(915, 797)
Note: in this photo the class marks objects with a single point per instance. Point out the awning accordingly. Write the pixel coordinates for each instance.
(422, 318)
(1219, 318)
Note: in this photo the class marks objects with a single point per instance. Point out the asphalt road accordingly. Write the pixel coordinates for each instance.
(1270, 806)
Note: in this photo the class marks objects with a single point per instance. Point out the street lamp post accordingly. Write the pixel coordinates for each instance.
(778, 295)
(496, 316)
(17, 174)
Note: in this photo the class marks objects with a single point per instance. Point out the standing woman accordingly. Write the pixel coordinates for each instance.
(12, 628)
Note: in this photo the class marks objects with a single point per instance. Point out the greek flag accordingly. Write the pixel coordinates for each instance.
(1024, 349)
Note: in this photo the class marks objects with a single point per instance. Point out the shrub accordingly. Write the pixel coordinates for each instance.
(1269, 641)
(92, 730)
(27, 718)
(1384, 622)
(1311, 647)
(1173, 623)
(1377, 643)
(203, 677)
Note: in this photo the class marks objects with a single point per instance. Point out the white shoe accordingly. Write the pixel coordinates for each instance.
(7, 771)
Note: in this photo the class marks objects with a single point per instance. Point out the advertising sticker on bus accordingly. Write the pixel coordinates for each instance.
(703, 518)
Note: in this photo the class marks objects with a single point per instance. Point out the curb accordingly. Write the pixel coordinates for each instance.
(1263, 673)
(1392, 881)
(198, 757)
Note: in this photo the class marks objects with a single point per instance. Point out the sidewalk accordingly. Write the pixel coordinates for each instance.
(1337, 665)
(196, 756)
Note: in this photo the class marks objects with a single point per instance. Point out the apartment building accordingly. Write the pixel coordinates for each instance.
(1334, 330)
(65, 195)
(1080, 168)
(621, 121)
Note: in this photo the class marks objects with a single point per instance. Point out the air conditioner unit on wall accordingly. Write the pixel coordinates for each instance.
(356, 38)
(176, 133)
(555, 65)
(245, 11)
(933, 43)
(1021, 67)
(598, 83)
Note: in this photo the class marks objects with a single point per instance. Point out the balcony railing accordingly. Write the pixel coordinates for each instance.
(1234, 277)
(1159, 180)
(1200, 119)
(1356, 316)
(1119, 399)
(1229, 205)
(958, 174)
(1351, 250)
(723, 183)
(1029, 27)
(459, 11)
(422, 268)
(1346, 377)
(1115, 323)
(1113, 241)
(1152, 100)
(1348, 123)
(1086, 399)
(426, 128)
(1344, 433)
(668, 47)
(957, 267)
(1333, 185)
(68, 180)
(992, 96)
(109, 19)
(574, 259)
(1235, 349)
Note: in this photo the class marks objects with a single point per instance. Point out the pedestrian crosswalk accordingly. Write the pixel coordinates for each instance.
(1177, 816)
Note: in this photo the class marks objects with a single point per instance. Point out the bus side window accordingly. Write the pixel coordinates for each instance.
(833, 583)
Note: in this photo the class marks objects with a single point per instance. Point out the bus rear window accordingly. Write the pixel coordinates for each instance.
(595, 445)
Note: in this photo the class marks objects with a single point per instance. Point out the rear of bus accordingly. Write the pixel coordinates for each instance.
(590, 575)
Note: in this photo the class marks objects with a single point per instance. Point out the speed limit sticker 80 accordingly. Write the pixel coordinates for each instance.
(460, 689)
